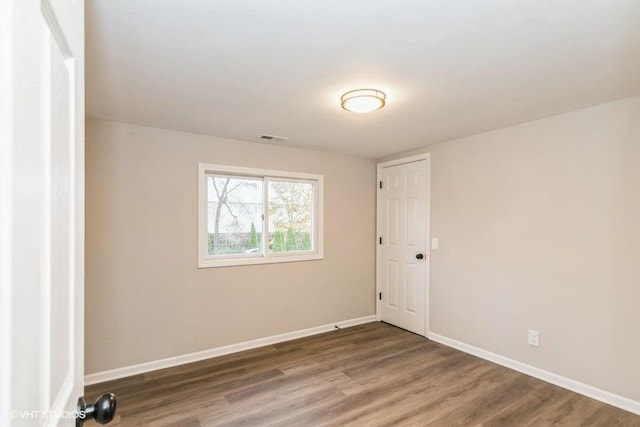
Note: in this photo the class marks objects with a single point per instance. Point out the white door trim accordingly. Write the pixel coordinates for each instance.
(427, 158)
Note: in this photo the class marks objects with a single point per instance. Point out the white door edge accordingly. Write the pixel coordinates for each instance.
(410, 159)
(6, 140)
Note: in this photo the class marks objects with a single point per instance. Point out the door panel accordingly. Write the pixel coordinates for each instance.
(392, 222)
(392, 283)
(403, 220)
(412, 288)
(42, 201)
(412, 222)
(58, 170)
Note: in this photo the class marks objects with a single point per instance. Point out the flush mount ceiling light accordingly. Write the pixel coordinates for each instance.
(363, 100)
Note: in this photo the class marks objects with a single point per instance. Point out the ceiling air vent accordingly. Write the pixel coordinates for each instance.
(273, 138)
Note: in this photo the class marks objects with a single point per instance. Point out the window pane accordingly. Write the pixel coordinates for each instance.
(234, 215)
(290, 216)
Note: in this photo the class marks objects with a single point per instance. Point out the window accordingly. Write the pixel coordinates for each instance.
(256, 216)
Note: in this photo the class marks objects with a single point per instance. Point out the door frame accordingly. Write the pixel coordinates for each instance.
(427, 158)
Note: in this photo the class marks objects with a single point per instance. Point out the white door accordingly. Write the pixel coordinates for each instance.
(41, 210)
(402, 247)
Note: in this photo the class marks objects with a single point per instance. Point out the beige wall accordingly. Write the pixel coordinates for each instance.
(539, 228)
(145, 298)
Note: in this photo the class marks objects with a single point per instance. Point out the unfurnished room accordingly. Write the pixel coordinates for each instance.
(319, 213)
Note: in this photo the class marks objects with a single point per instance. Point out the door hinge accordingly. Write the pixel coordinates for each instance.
(380, 296)
(380, 240)
(380, 184)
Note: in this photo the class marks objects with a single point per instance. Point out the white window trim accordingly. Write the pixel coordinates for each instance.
(206, 261)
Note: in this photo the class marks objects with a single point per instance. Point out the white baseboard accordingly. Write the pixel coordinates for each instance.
(584, 389)
(169, 362)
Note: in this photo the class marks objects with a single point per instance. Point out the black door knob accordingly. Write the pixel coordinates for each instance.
(102, 411)
(419, 256)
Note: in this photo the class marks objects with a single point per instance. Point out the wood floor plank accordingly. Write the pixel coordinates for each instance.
(368, 375)
(606, 416)
(572, 412)
(400, 397)
(527, 408)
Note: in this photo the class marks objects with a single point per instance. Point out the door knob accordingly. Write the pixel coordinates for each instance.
(419, 256)
(102, 411)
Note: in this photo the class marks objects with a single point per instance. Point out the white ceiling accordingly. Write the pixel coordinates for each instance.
(451, 68)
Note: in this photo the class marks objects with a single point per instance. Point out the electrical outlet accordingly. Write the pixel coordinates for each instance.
(534, 338)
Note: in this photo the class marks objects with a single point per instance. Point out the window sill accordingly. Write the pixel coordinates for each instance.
(274, 259)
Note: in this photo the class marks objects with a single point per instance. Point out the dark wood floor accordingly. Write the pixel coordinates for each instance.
(369, 375)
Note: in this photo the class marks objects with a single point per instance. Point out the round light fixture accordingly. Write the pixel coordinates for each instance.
(363, 100)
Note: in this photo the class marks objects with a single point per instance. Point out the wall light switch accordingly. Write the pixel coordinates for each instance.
(434, 244)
